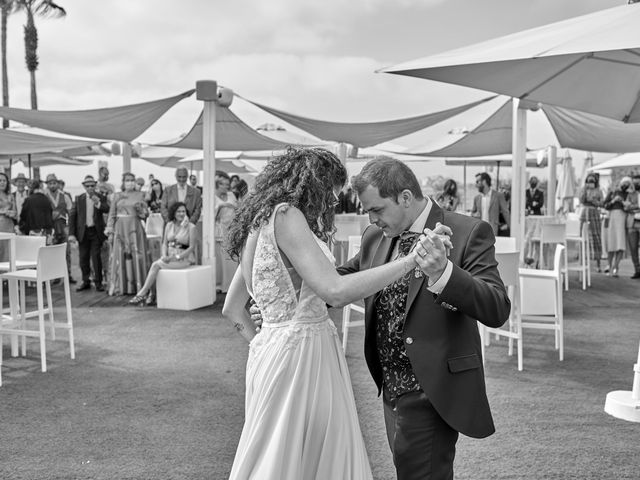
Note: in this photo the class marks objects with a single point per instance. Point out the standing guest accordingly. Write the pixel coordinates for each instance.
(535, 198)
(107, 189)
(154, 196)
(633, 225)
(130, 257)
(193, 180)
(61, 204)
(36, 217)
(240, 190)
(591, 199)
(86, 226)
(488, 205)
(225, 210)
(617, 203)
(140, 184)
(348, 201)
(7, 212)
(177, 252)
(182, 192)
(21, 193)
(448, 199)
(233, 181)
(61, 187)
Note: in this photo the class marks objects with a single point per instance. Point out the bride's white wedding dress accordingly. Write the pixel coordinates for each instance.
(300, 414)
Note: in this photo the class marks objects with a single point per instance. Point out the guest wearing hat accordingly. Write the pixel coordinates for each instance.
(7, 211)
(86, 226)
(21, 193)
(61, 205)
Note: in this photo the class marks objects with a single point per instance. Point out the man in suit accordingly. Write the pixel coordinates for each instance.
(21, 193)
(421, 337)
(535, 198)
(182, 192)
(86, 226)
(489, 204)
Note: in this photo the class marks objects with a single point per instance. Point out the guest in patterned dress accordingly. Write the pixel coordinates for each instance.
(177, 251)
(130, 259)
(7, 212)
(591, 199)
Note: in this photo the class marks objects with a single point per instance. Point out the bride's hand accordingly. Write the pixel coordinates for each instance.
(432, 250)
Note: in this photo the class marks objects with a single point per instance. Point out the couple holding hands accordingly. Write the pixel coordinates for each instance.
(427, 276)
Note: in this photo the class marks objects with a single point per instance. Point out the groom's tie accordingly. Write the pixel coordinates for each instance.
(390, 309)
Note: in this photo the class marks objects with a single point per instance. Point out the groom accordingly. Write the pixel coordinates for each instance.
(421, 338)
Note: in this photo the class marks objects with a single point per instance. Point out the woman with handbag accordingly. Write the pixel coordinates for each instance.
(177, 251)
(130, 259)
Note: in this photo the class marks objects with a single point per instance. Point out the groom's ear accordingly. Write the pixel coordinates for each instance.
(405, 198)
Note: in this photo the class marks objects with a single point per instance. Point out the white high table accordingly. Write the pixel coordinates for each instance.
(9, 238)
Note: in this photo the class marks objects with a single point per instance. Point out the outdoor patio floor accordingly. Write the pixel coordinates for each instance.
(158, 394)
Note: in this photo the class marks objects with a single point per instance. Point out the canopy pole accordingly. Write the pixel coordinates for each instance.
(553, 181)
(464, 182)
(207, 91)
(498, 175)
(126, 157)
(342, 153)
(519, 141)
(29, 166)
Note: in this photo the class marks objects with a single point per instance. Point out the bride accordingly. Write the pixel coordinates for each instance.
(300, 414)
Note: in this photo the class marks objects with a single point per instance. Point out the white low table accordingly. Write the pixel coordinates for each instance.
(185, 289)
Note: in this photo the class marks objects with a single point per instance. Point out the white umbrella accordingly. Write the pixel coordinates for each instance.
(565, 63)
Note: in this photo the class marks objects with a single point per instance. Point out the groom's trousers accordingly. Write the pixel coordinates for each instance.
(422, 443)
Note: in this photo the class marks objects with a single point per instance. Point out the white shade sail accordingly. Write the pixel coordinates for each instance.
(123, 123)
(231, 133)
(370, 133)
(628, 160)
(491, 137)
(490, 161)
(569, 63)
(17, 143)
(593, 133)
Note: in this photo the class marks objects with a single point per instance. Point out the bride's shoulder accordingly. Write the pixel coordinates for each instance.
(285, 213)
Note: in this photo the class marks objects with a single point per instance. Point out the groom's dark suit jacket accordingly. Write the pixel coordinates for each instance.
(440, 331)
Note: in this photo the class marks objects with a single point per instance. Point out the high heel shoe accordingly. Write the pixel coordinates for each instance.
(151, 300)
(137, 300)
(614, 272)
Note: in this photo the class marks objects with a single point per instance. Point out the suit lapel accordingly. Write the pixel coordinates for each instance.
(415, 283)
(380, 257)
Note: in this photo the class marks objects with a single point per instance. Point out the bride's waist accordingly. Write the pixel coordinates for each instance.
(298, 322)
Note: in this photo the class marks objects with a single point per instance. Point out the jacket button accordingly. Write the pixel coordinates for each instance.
(409, 340)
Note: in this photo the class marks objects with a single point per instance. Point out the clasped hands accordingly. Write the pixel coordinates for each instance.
(431, 251)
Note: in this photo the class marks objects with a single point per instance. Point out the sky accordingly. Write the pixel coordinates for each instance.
(315, 58)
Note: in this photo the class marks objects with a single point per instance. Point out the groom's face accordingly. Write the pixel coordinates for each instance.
(389, 214)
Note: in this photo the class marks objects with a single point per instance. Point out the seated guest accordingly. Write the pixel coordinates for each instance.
(177, 251)
(36, 217)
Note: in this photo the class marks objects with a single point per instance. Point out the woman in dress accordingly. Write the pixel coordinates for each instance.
(300, 418)
(130, 259)
(616, 203)
(8, 212)
(225, 211)
(154, 196)
(591, 199)
(448, 199)
(177, 251)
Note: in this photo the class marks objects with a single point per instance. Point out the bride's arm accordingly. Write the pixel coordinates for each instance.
(297, 242)
(233, 308)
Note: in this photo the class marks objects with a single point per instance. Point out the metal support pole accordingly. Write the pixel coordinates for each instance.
(552, 152)
(519, 174)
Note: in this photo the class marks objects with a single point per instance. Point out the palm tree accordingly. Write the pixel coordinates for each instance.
(43, 8)
(7, 7)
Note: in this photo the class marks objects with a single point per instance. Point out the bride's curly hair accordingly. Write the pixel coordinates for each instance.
(302, 177)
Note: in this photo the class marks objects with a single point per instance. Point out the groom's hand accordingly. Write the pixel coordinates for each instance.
(256, 315)
(432, 251)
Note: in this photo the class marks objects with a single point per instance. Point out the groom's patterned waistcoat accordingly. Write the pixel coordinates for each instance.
(390, 305)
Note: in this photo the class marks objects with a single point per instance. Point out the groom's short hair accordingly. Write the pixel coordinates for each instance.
(389, 176)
